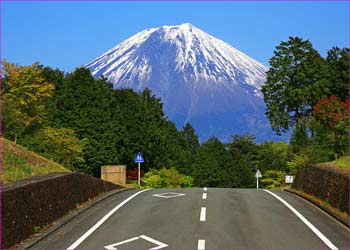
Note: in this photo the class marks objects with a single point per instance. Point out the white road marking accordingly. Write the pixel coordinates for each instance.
(168, 195)
(205, 189)
(307, 223)
(156, 242)
(204, 196)
(201, 244)
(203, 215)
(101, 221)
(112, 247)
(149, 239)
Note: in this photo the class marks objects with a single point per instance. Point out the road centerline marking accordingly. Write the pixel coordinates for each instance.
(101, 221)
(201, 245)
(306, 221)
(204, 196)
(203, 215)
(205, 189)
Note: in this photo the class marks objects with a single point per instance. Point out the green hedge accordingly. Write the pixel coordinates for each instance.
(327, 183)
(35, 202)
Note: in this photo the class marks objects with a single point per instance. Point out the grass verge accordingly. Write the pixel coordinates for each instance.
(343, 163)
(321, 203)
(19, 163)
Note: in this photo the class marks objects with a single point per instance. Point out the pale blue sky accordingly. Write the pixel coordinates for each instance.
(66, 35)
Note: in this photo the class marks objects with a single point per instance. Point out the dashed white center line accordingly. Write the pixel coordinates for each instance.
(203, 215)
(204, 196)
(205, 189)
(201, 244)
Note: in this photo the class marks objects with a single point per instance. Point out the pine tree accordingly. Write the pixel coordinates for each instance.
(295, 82)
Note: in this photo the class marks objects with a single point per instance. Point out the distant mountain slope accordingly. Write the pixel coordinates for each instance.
(200, 79)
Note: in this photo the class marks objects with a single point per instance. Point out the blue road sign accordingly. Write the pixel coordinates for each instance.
(139, 158)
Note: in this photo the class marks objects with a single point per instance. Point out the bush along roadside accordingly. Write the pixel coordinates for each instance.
(329, 184)
(166, 178)
(30, 204)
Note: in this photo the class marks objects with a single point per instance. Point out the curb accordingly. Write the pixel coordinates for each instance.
(324, 209)
(68, 217)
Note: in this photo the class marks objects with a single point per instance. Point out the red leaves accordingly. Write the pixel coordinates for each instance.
(131, 174)
(331, 111)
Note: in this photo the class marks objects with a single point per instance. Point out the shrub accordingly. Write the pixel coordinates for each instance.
(28, 205)
(272, 179)
(299, 161)
(132, 174)
(330, 184)
(166, 178)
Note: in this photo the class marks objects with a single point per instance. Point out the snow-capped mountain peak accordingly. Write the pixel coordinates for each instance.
(195, 52)
(194, 73)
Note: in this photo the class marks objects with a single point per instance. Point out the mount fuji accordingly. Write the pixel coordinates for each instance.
(199, 78)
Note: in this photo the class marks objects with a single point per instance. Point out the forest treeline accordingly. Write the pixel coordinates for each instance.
(83, 123)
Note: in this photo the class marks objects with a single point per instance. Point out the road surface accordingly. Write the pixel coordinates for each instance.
(200, 218)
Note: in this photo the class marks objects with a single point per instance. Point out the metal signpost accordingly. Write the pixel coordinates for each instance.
(257, 176)
(139, 159)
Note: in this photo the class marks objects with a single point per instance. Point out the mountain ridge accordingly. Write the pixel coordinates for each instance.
(196, 75)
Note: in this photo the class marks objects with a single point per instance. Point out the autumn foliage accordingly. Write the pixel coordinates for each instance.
(331, 111)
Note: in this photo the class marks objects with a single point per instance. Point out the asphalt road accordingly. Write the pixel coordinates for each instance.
(222, 219)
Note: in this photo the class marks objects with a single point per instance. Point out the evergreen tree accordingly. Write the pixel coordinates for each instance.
(338, 73)
(190, 147)
(295, 82)
(299, 138)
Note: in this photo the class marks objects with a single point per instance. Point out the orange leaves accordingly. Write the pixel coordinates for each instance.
(332, 111)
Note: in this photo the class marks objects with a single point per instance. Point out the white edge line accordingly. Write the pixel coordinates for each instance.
(101, 221)
(201, 244)
(203, 214)
(307, 223)
(160, 244)
(204, 196)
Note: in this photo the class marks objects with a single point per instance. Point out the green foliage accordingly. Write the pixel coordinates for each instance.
(295, 81)
(37, 229)
(58, 144)
(272, 179)
(19, 163)
(343, 162)
(298, 161)
(273, 156)
(12, 119)
(310, 93)
(338, 72)
(299, 138)
(220, 165)
(166, 178)
(117, 124)
(24, 93)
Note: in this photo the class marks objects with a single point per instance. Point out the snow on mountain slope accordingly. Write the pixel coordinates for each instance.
(198, 77)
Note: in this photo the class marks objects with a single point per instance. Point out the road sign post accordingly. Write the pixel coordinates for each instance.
(257, 176)
(139, 159)
(139, 174)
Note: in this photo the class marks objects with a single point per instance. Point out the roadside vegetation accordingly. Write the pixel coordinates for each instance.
(343, 163)
(83, 123)
(324, 204)
(18, 163)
